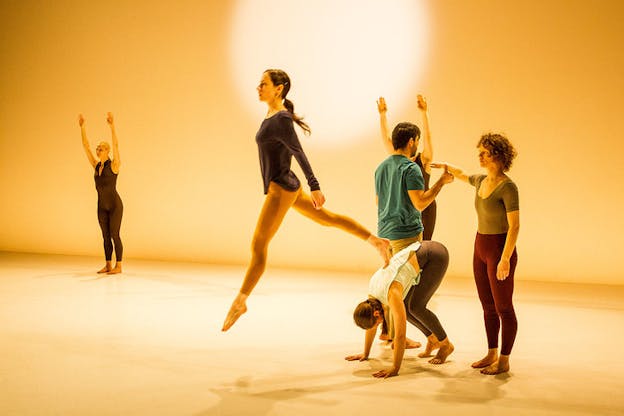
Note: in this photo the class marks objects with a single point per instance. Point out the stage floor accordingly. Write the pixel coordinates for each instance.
(148, 342)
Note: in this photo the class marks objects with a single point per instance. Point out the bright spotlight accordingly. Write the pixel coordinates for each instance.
(340, 55)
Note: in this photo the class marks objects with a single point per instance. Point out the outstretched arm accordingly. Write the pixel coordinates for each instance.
(421, 199)
(369, 337)
(383, 124)
(454, 170)
(116, 160)
(427, 154)
(85, 141)
(397, 308)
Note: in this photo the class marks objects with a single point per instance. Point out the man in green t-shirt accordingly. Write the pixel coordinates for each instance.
(400, 190)
(401, 196)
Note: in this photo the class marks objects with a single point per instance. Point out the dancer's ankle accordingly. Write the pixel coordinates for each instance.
(241, 297)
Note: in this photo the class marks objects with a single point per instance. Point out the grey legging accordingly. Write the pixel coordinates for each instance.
(433, 259)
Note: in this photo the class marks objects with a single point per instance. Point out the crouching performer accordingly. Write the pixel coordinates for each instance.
(403, 289)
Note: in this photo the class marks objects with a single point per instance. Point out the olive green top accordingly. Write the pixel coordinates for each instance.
(492, 211)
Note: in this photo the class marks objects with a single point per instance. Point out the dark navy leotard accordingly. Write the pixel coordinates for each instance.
(110, 209)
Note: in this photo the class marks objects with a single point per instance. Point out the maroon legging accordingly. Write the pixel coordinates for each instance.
(495, 295)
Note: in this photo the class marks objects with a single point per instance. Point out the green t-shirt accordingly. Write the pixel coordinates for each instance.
(396, 216)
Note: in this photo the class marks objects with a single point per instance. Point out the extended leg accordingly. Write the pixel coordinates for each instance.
(304, 205)
(276, 205)
(432, 258)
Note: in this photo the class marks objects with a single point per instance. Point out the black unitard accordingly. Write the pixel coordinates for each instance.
(428, 216)
(110, 209)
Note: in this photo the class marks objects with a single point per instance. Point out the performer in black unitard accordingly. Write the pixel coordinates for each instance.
(110, 207)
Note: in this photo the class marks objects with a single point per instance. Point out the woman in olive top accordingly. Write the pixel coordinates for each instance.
(277, 144)
(495, 257)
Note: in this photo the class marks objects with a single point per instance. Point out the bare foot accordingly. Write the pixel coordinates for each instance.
(495, 368)
(432, 344)
(383, 247)
(500, 366)
(446, 348)
(384, 337)
(106, 268)
(490, 358)
(236, 310)
(410, 344)
(116, 270)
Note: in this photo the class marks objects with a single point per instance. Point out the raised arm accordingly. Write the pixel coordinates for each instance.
(454, 170)
(85, 141)
(383, 124)
(421, 199)
(513, 219)
(116, 160)
(427, 154)
(397, 308)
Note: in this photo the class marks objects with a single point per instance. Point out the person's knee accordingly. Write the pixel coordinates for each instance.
(505, 310)
(326, 218)
(490, 309)
(439, 252)
(259, 245)
(417, 310)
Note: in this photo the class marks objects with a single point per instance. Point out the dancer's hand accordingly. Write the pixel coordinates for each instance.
(381, 105)
(391, 372)
(109, 118)
(358, 357)
(447, 177)
(81, 120)
(454, 170)
(502, 270)
(422, 103)
(318, 199)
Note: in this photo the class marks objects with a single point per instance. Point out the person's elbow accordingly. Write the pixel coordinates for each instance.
(419, 204)
(514, 227)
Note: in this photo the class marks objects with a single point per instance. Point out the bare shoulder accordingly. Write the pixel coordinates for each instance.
(396, 288)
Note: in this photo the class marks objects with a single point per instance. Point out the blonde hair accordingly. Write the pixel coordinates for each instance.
(104, 145)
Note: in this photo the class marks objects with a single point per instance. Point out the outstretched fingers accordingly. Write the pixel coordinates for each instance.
(381, 105)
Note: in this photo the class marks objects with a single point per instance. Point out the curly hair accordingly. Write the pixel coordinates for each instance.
(500, 148)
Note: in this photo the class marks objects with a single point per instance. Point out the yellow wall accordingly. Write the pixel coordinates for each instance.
(547, 73)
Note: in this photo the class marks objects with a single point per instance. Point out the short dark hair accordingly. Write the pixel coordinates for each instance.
(500, 148)
(402, 134)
